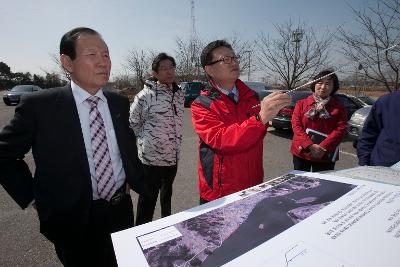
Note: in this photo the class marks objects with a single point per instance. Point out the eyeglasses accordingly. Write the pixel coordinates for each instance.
(226, 60)
(166, 68)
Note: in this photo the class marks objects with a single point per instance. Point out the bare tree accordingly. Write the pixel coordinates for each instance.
(375, 47)
(246, 50)
(394, 5)
(295, 55)
(139, 62)
(123, 81)
(188, 59)
(55, 57)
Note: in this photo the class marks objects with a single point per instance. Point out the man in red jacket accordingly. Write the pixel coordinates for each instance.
(231, 123)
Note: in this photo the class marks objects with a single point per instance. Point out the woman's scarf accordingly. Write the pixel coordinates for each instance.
(318, 107)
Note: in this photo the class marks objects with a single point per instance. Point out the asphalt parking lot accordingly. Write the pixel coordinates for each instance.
(22, 245)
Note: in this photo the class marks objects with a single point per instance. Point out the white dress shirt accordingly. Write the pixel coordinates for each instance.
(80, 95)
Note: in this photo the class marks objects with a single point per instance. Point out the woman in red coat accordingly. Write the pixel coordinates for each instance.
(319, 123)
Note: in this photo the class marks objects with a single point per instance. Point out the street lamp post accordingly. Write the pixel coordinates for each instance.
(248, 74)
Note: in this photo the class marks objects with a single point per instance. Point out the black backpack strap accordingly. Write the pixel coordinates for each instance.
(206, 100)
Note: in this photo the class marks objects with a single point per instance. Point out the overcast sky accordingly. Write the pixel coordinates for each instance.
(31, 30)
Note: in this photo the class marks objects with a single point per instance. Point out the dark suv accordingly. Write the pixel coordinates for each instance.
(192, 91)
(13, 96)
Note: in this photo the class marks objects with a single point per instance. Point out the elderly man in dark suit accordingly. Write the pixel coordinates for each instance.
(84, 153)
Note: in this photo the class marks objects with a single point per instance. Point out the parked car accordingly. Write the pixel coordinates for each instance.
(366, 99)
(192, 91)
(356, 124)
(260, 88)
(13, 96)
(284, 117)
(352, 103)
(283, 120)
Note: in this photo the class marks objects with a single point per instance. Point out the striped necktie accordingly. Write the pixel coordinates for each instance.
(101, 154)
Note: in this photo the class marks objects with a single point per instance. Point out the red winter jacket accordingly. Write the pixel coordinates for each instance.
(231, 142)
(334, 127)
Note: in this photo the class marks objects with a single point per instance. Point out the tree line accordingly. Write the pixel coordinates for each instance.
(9, 79)
(288, 57)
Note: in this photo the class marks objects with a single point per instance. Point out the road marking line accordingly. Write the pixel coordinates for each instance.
(348, 154)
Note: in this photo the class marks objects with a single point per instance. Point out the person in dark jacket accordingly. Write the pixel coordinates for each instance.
(323, 113)
(84, 154)
(379, 144)
(231, 124)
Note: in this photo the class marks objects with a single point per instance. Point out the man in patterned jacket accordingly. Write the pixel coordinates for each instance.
(156, 118)
(231, 123)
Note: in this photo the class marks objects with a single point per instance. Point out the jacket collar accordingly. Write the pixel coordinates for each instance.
(67, 115)
(242, 89)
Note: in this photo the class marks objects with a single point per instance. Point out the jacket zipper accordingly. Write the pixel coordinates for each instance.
(220, 160)
(174, 113)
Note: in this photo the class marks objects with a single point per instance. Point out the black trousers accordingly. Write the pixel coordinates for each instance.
(94, 247)
(156, 178)
(301, 164)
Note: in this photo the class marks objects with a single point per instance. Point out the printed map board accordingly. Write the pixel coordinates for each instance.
(294, 220)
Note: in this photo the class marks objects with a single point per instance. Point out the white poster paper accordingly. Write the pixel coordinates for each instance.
(295, 220)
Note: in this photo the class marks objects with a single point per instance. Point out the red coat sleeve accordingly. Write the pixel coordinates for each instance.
(299, 131)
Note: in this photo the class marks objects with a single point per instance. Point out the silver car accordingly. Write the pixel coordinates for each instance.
(356, 124)
(13, 96)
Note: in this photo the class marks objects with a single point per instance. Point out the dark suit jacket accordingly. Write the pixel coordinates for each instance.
(48, 122)
(379, 143)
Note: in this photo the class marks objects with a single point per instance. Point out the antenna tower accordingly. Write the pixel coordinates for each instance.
(193, 19)
(192, 34)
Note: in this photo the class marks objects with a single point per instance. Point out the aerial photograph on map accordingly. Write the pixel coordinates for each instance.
(219, 236)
